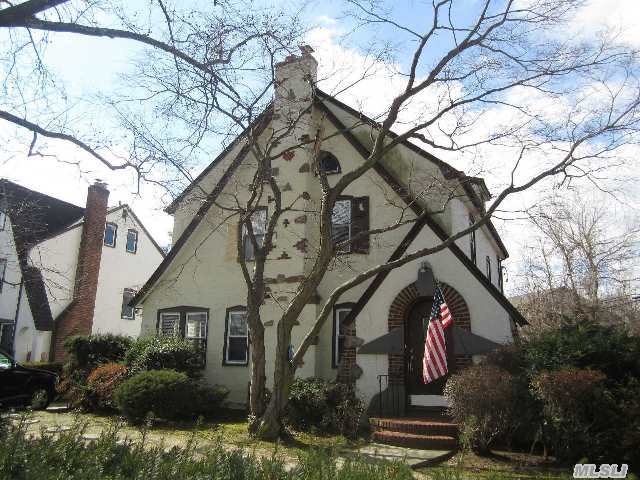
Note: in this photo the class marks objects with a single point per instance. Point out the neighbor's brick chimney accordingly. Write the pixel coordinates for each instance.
(78, 318)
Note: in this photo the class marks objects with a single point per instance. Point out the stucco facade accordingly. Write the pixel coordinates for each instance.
(203, 270)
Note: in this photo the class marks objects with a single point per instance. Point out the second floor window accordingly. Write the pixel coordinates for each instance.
(132, 241)
(488, 268)
(500, 274)
(110, 234)
(349, 222)
(472, 241)
(259, 227)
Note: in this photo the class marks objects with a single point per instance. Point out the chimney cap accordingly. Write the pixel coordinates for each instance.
(306, 49)
(100, 183)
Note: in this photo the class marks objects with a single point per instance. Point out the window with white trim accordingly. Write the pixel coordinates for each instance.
(110, 234)
(132, 240)
(329, 163)
(186, 322)
(341, 224)
(196, 330)
(236, 344)
(340, 313)
(259, 227)
(128, 312)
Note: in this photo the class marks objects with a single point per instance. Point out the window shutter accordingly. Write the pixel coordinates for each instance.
(360, 223)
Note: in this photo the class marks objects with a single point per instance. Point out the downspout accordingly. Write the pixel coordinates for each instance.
(15, 318)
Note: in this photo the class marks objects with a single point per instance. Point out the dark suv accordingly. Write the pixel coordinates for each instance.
(22, 386)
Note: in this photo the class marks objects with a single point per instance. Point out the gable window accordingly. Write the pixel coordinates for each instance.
(132, 240)
(329, 163)
(350, 218)
(110, 234)
(472, 242)
(488, 268)
(3, 269)
(500, 274)
(127, 311)
(236, 337)
(185, 322)
(259, 227)
(340, 313)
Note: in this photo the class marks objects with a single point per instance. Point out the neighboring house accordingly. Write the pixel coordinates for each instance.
(68, 270)
(198, 291)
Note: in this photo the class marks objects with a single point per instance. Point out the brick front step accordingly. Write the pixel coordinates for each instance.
(418, 426)
(411, 440)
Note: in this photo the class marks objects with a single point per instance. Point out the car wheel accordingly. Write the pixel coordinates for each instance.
(40, 398)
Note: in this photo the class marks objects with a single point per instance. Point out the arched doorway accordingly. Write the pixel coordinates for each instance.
(414, 339)
(407, 311)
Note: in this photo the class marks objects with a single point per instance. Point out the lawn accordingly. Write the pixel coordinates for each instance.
(230, 431)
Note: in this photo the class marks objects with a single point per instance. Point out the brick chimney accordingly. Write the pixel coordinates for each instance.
(77, 319)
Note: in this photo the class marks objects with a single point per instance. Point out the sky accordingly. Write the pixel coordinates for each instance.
(91, 66)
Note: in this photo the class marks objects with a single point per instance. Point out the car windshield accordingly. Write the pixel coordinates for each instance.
(5, 361)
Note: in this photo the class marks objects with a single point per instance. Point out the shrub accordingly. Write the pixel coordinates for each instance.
(159, 353)
(483, 400)
(87, 352)
(54, 367)
(102, 383)
(325, 407)
(66, 455)
(166, 394)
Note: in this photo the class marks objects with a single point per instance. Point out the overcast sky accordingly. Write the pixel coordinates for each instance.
(89, 66)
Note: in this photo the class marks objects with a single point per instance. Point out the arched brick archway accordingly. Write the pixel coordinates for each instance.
(399, 310)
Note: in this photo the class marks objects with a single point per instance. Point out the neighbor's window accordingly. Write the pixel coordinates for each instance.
(472, 241)
(127, 311)
(329, 163)
(110, 234)
(488, 268)
(132, 240)
(189, 323)
(340, 312)
(259, 227)
(3, 269)
(236, 345)
(341, 224)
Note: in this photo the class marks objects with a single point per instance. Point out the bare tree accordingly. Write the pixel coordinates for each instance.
(509, 58)
(583, 265)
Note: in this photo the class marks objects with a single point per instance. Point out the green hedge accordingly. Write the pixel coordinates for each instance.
(166, 394)
(87, 352)
(159, 353)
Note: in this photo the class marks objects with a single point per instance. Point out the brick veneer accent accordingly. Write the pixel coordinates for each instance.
(399, 310)
(78, 318)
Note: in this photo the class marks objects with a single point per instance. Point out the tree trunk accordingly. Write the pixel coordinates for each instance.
(257, 387)
(270, 425)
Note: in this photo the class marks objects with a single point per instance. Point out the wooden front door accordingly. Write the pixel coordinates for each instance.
(414, 351)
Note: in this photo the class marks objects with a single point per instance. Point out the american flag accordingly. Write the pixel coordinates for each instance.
(434, 362)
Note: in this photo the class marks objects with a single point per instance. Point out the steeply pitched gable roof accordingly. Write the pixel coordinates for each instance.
(35, 216)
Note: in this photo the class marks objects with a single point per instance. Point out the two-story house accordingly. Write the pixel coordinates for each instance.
(67, 270)
(198, 291)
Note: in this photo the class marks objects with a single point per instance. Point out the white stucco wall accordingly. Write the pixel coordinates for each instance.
(120, 269)
(13, 275)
